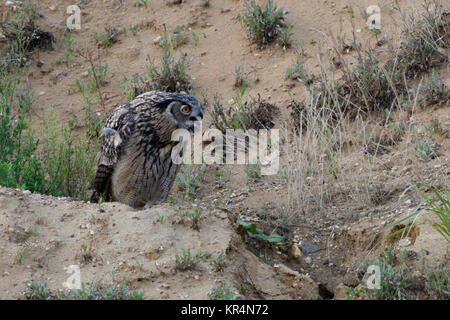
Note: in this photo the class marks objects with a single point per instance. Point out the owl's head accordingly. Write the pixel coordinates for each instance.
(185, 109)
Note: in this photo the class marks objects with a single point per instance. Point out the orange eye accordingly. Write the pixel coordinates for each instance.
(185, 109)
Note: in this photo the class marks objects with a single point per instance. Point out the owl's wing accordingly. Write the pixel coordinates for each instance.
(118, 127)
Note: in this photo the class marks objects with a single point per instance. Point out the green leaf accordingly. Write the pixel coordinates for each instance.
(258, 233)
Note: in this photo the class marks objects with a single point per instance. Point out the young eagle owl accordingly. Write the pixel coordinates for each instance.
(135, 164)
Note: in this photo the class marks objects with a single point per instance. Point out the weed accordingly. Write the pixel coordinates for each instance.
(195, 216)
(69, 162)
(437, 283)
(21, 255)
(185, 261)
(177, 38)
(95, 291)
(107, 39)
(189, 178)
(253, 171)
(86, 253)
(143, 3)
(240, 78)
(220, 262)
(195, 38)
(297, 70)
(221, 293)
(135, 29)
(22, 34)
(99, 291)
(438, 208)
(172, 76)
(284, 36)
(263, 26)
(38, 291)
(425, 39)
(253, 114)
(395, 283)
(424, 147)
(435, 91)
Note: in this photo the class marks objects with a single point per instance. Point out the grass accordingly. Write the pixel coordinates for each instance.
(220, 262)
(220, 292)
(245, 115)
(106, 39)
(37, 290)
(188, 179)
(195, 217)
(426, 39)
(185, 261)
(424, 148)
(435, 91)
(22, 34)
(438, 207)
(395, 283)
(253, 171)
(70, 161)
(265, 25)
(240, 80)
(171, 76)
(21, 255)
(399, 282)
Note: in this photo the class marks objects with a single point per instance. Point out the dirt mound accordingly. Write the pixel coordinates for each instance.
(42, 236)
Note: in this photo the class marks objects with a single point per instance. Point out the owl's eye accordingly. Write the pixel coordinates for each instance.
(185, 109)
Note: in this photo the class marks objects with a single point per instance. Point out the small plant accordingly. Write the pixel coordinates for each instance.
(69, 162)
(68, 53)
(253, 171)
(22, 34)
(437, 283)
(284, 36)
(425, 150)
(95, 291)
(172, 76)
(99, 291)
(240, 78)
(220, 262)
(253, 114)
(435, 91)
(189, 177)
(258, 233)
(38, 291)
(221, 293)
(143, 3)
(439, 208)
(106, 39)
(425, 39)
(135, 29)
(160, 218)
(265, 25)
(185, 261)
(195, 38)
(21, 255)
(296, 71)
(195, 216)
(396, 283)
(177, 38)
(86, 253)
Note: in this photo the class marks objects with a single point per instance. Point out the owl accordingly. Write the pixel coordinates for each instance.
(134, 162)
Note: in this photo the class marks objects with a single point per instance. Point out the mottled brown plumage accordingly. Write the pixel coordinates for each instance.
(135, 159)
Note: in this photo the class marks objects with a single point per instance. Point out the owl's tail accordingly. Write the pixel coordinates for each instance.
(102, 183)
